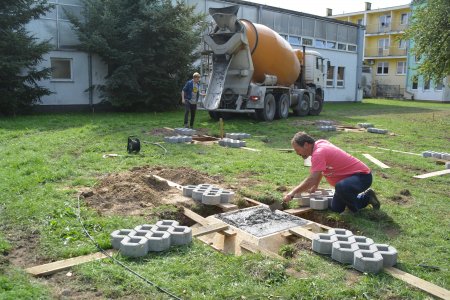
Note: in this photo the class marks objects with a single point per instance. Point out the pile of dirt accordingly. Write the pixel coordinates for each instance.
(136, 192)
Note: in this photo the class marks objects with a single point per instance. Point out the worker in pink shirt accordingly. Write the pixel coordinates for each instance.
(350, 177)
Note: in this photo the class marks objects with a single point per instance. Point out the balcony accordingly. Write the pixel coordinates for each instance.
(377, 28)
(381, 52)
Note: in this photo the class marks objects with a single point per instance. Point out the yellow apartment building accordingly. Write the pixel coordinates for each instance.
(385, 53)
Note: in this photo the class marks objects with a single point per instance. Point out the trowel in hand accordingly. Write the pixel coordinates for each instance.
(276, 205)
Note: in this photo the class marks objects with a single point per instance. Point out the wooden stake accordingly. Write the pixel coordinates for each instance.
(221, 127)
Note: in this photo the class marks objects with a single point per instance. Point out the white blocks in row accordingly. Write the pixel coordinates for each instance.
(237, 136)
(146, 238)
(226, 142)
(360, 251)
(319, 200)
(208, 194)
(185, 131)
(365, 125)
(438, 155)
(178, 139)
(324, 123)
(377, 130)
(327, 128)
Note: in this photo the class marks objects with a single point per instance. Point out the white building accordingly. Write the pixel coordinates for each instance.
(75, 72)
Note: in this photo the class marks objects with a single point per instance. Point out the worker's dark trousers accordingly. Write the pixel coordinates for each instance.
(349, 192)
(192, 108)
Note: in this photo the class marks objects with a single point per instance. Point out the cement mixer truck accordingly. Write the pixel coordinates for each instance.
(255, 70)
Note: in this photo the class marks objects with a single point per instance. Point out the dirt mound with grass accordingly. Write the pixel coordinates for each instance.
(137, 191)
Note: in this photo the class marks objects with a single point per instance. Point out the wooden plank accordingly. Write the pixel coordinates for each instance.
(209, 229)
(65, 264)
(250, 149)
(426, 286)
(376, 161)
(168, 128)
(255, 249)
(227, 206)
(437, 173)
(204, 222)
(170, 183)
(249, 200)
(302, 232)
(298, 211)
(386, 149)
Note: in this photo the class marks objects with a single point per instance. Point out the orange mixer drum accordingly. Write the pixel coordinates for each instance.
(271, 54)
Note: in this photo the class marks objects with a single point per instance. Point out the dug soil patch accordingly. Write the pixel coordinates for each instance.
(136, 192)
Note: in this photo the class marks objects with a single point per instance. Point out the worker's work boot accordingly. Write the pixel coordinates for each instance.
(373, 200)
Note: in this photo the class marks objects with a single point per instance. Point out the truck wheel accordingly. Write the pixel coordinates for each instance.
(302, 108)
(282, 107)
(214, 115)
(317, 105)
(268, 112)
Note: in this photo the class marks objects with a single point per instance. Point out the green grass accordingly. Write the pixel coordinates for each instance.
(47, 158)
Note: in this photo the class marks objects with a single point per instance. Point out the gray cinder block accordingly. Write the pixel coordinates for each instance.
(363, 241)
(426, 154)
(365, 125)
(118, 235)
(368, 261)
(180, 235)
(340, 231)
(197, 194)
(303, 200)
(343, 251)
(134, 246)
(161, 228)
(322, 243)
(167, 223)
(388, 253)
(158, 241)
(145, 227)
(187, 190)
(447, 165)
(211, 197)
(318, 203)
(226, 196)
(377, 130)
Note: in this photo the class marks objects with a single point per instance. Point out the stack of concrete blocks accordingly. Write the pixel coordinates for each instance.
(365, 125)
(324, 123)
(359, 251)
(327, 128)
(178, 139)
(227, 142)
(319, 200)
(185, 131)
(237, 136)
(438, 155)
(208, 194)
(146, 238)
(377, 130)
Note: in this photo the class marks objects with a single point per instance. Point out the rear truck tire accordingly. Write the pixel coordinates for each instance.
(214, 115)
(282, 107)
(268, 112)
(317, 105)
(302, 108)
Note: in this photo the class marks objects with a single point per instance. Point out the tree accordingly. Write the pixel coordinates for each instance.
(430, 32)
(20, 53)
(148, 46)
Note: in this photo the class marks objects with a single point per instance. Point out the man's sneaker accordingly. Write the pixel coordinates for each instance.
(373, 200)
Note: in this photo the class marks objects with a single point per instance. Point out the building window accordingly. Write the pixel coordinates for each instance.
(342, 46)
(385, 21)
(294, 40)
(61, 68)
(284, 36)
(359, 22)
(340, 76)
(351, 48)
(383, 68)
(330, 75)
(439, 86)
(415, 82)
(401, 44)
(320, 43)
(401, 67)
(331, 45)
(426, 84)
(404, 19)
(307, 42)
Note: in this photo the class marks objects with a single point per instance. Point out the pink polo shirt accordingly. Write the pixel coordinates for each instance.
(334, 163)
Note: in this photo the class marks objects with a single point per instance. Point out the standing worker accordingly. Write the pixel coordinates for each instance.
(350, 177)
(189, 97)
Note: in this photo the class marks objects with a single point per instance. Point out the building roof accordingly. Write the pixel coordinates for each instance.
(372, 11)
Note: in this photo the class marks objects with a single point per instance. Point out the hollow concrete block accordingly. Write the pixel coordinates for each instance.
(211, 197)
(134, 246)
(340, 231)
(388, 253)
(437, 155)
(322, 243)
(368, 261)
(161, 228)
(343, 251)
(226, 196)
(138, 233)
(447, 165)
(118, 235)
(426, 154)
(363, 241)
(167, 223)
(187, 190)
(158, 241)
(318, 203)
(146, 227)
(302, 200)
(445, 156)
(197, 194)
(180, 235)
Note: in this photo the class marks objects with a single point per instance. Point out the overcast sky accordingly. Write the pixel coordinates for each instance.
(318, 7)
